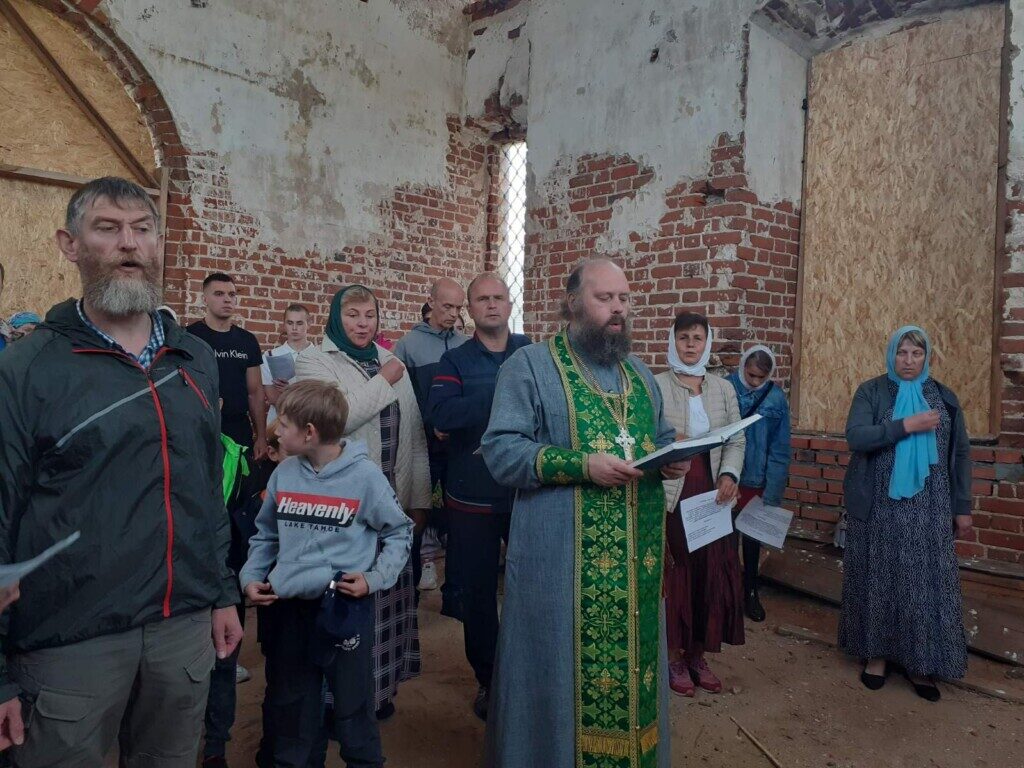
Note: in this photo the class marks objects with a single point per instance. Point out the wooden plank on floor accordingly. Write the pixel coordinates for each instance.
(993, 607)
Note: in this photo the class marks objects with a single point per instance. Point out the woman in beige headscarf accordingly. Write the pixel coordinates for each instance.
(703, 589)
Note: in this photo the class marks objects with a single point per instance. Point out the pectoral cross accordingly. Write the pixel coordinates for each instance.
(626, 442)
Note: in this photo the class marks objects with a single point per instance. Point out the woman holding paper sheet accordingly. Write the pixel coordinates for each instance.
(766, 461)
(908, 492)
(703, 589)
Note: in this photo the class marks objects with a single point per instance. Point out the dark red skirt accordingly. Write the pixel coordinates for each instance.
(703, 589)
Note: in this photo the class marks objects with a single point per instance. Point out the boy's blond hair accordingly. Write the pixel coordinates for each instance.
(317, 403)
(273, 441)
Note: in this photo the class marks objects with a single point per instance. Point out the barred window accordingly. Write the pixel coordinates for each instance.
(511, 235)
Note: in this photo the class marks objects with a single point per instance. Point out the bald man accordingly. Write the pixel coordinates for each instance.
(421, 350)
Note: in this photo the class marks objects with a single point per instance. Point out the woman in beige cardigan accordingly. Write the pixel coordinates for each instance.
(382, 412)
(703, 589)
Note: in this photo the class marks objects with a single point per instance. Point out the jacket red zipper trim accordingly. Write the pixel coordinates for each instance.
(165, 455)
(191, 382)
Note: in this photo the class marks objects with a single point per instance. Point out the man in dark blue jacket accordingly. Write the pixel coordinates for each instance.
(479, 509)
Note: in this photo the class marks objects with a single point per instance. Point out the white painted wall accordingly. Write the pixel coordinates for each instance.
(595, 90)
(601, 92)
(774, 130)
(318, 109)
(499, 63)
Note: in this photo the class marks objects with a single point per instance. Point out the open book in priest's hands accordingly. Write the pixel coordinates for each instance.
(684, 449)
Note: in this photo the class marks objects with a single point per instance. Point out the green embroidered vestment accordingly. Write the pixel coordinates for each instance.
(618, 569)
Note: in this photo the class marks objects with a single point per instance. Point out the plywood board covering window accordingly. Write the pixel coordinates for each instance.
(42, 128)
(900, 211)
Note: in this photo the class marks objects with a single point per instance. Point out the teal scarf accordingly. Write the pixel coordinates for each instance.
(917, 452)
(336, 331)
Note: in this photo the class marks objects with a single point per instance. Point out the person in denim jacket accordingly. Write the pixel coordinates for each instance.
(766, 462)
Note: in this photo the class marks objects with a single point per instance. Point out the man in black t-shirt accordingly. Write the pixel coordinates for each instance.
(242, 412)
(238, 363)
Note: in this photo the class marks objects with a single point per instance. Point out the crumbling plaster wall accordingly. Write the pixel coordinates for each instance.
(774, 125)
(670, 136)
(596, 90)
(317, 109)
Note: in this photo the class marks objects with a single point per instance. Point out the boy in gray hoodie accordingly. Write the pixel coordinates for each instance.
(328, 509)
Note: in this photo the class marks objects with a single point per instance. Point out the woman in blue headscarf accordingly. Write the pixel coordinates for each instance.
(908, 495)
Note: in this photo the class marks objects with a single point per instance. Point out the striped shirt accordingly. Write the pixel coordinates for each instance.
(144, 358)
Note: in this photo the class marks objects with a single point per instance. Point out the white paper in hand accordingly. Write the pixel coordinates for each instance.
(704, 520)
(767, 524)
(17, 571)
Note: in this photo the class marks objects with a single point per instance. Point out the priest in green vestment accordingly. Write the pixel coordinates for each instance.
(580, 675)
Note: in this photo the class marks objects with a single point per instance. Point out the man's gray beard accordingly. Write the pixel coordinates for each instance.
(599, 344)
(122, 297)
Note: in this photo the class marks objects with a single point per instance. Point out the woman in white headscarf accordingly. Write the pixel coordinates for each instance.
(766, 461)
(703, 589)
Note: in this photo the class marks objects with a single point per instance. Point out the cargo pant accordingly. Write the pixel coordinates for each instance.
(147, 684)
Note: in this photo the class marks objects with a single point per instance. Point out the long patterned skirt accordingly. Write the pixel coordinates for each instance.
(396, 649)
(703, 589)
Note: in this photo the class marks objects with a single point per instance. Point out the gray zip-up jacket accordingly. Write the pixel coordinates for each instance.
(314, 524)
(420, 351)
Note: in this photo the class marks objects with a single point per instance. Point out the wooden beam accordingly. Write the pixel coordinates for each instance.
(53, 178)
(81, 100)
(993, 568)
(1001, 259)
(165, 181)
(993, 606)
(798, 313)
(810, 636)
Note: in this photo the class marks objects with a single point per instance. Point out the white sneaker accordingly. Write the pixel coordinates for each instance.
(242, 674)
(428, 579)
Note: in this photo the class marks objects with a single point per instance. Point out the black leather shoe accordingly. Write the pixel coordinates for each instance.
(752, 606)
(386, 712)
(874, 682)
(927, 691)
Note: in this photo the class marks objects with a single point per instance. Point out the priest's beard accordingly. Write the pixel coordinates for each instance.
(119, 295)
(599, 342)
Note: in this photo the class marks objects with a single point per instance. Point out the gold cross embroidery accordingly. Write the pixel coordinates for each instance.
(605, 682)
(605, 505)
(605, 562)
(648, 445)
(601, 444)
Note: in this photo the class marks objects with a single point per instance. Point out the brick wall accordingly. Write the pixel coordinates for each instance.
(717, 249)
(815, 493)
(429, 232)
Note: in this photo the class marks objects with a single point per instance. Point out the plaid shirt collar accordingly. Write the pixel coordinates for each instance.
(145, 358)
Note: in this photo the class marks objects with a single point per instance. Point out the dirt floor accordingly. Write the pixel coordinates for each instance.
(801, 700)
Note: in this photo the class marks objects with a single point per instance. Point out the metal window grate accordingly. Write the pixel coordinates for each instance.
(511, 245)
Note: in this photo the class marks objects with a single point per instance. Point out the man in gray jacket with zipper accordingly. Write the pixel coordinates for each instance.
(109, 426)
(420, 350)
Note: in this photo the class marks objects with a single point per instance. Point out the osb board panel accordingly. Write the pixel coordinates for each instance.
(38, 276)
(900, 199)
(40, 126)
(94, 78)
